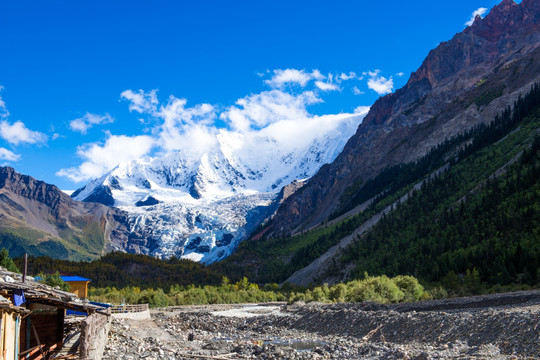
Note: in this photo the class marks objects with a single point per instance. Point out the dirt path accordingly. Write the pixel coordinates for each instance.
(141, 329)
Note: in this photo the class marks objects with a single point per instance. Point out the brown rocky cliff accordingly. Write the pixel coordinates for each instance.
(31, 188)
(403, 126)
(27, 202)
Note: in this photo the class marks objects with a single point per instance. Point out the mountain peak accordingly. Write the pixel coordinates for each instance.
(503, 8)
(506, 17)
(437, 102)
(201, 207)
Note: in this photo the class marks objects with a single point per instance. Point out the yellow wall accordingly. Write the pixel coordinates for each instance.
(79, 288)
(9, 336)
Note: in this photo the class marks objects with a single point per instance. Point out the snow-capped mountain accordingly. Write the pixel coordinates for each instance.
(200, 207)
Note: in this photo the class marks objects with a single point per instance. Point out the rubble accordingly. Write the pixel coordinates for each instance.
(504, 329)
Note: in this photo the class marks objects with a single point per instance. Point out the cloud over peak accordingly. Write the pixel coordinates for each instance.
(379, 83)
(176, 127)
(260, 110)
(100, 158)
(478, 12)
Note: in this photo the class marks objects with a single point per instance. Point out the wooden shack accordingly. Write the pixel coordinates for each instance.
(33, 316)
(77, 285)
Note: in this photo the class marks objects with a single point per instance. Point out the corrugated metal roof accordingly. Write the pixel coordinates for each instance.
(41, 293)
(73, 278)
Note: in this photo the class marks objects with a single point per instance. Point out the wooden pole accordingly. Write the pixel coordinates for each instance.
(25, 267)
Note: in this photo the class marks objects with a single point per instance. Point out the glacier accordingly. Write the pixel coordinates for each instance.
(200, 206)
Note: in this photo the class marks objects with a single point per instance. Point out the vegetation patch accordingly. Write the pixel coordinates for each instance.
(487, 97)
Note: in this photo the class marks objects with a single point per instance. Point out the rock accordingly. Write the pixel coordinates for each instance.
(411, 331)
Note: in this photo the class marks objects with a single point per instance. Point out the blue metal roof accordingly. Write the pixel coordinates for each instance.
(73, 278)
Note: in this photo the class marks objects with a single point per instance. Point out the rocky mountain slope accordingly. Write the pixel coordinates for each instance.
(200, 208)
(40, 219)
(459, 215)
(462, 82)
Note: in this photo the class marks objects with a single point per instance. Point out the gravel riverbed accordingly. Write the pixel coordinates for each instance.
(504, 326)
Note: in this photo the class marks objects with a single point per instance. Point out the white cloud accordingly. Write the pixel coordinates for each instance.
(478, 12)
(3, 110)
(257, 111)
(326, 86)
(292, 77)
(98, 159)
(349, 76)
(400, 73)
(84, 123)
(380, 84)
(373, 73)
(5, 154)
(17, 133)
(176, 112)
(140, 101)
(185, 128)
(362, 110)
(357, 91)
(280, 114)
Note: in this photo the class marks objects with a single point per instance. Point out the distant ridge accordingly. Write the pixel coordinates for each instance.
(40, 219)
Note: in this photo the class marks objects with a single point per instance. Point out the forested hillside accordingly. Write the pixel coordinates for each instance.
(482, 215)
(476, 210)
(121, 269)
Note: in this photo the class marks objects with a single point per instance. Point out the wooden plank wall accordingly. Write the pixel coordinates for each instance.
(9, 335)
(49, 326)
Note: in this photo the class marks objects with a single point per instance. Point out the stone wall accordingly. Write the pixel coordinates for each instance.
(94, 336)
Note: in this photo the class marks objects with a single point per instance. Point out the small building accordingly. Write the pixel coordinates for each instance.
(32, 319)
(77, 284)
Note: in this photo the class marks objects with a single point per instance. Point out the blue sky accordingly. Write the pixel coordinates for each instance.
(86, 84)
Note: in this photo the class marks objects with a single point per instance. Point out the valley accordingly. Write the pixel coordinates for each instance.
(437, 180)
(285, 180)
(501, 326)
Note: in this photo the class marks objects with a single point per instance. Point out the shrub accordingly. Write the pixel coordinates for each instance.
(338, 293)
(438, 293)
(380, 289)
(410, 286)
(155, 298)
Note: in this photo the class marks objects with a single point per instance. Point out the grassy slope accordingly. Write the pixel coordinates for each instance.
(84, 244)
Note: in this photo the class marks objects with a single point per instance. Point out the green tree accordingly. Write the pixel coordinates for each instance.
(472, 282)
(7, 262)
(451, 282)
(54, 280)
